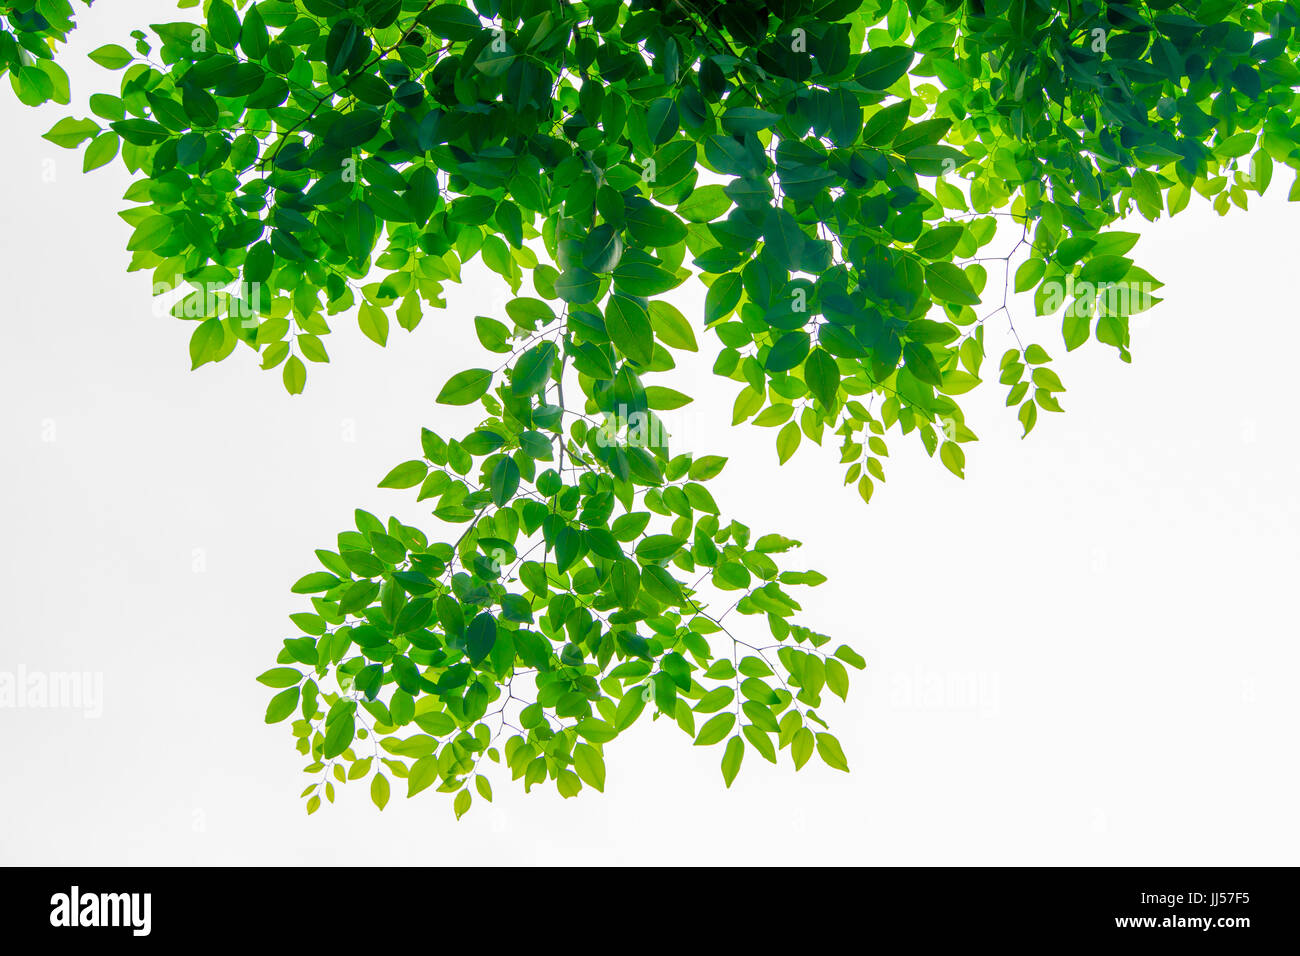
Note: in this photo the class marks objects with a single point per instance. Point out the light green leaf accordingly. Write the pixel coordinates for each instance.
(406, 475)
(465, 387)
(379, 790)
(111, 56)
(590, 766)
(731, 759)
(102, 149)
(715, 729)
(373, 322)
(69, 133)
(948, 283)
(828, 748)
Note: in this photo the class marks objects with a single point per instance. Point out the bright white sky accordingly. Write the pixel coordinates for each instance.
(1084, 653)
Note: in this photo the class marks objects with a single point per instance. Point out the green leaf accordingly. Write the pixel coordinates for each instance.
(747, 119)
(850, 656)
(666, 399)
(731, 759)
(253, 35)
(790, 350)
(528, 311)
(590, 766)
(704, 204)
(106, 106)
(533, 370)
(359, 227)
(373, 322)
(938, 243)
(206, 342)
(822, 375)
(281, 677)
(783, 238)
(435, 723)
(492, 335)
(881, 68)
(787, 441)
(1236, 145)
(953, 458)
(480, 637)
(722, 298)
(756, 689)
(282, 705)
(760, 741)
(568, 546)
(657, 547)
(1029, 273)
(1075, 328)
(465, 387)
(1106, 268)
(671, 327)
(223, 24)
(828, 748)
(314, 582)
(101, 151)
(406, 475)
(706, 467)
(70, 133)
(629, 329)
(661, 120)
(338, 735)
(654, 227)
(294, 375)
(801, 747)
(259, 263)
(355, 128)
(379, 790)
(837, 678)
(596, 731)
(422, 775)
(1047, 380)
(451, 21)
(625, 582)
(111, 56)
(885, 124)
(642, 279)
(150, 234)
(504, 481)
(577, 286)
(141, 132)
(920, 362)
(845, 118)
(948, 283)
(603, 249)
(715, 729)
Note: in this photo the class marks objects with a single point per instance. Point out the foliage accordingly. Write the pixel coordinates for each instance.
(835, 171)
(29, 30)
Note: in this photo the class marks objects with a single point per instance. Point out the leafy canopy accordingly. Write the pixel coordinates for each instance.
(835, 171)
(29, 33)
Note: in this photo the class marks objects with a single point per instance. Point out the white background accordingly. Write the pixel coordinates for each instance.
(1084, 653)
